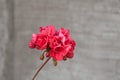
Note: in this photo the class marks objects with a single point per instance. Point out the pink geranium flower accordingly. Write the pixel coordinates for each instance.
(58, 44)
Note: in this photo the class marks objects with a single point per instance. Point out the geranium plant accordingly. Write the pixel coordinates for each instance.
(56, 44)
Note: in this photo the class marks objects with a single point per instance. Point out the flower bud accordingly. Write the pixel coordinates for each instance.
(55, 62)
(64, 58)
(41, 56)
(47, 54)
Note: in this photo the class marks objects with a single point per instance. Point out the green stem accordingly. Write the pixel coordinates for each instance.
(40, 68)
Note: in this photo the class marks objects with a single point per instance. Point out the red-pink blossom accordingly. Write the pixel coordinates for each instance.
(41, 42)
(33, 41)
(59, 44)
(48, 30)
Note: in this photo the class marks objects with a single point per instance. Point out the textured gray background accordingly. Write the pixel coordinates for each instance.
(94, 24)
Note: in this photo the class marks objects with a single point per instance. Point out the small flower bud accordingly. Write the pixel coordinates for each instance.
(55, 62)
(47, 54)
(64, 58)
(41, 56)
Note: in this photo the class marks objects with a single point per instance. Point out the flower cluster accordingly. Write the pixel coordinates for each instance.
(57, 44)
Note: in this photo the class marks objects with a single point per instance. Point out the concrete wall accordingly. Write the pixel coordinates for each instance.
(94, 24)
(6, 40)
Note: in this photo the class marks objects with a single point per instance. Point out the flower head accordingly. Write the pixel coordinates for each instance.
(58, 44)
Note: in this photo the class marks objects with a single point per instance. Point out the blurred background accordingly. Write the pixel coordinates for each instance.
(94, 24)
